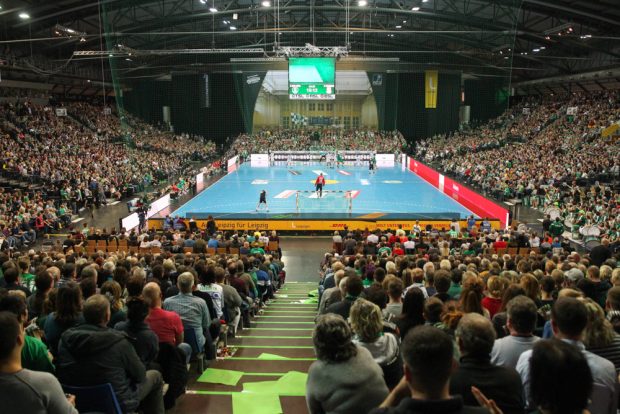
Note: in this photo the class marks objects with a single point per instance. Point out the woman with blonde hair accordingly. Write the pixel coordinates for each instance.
(367, 325)
(112, 290)
(493, 299)
(599, 336)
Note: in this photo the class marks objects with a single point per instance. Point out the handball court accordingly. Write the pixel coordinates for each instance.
(390, 193)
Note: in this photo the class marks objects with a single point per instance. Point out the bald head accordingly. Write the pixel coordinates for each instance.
(475, 335)
(152, 294)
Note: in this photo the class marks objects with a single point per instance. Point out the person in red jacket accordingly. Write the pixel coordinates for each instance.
(319, 183)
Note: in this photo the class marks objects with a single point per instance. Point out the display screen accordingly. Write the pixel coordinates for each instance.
(312, 78)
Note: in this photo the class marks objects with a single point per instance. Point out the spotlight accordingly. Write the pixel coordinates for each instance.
(416, 8)
(24, 16)
(203, 1)
(212, 9)
(362, 3)
(233, 28)
(266, 3)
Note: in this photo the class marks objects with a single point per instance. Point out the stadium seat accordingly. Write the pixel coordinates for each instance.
(199, 354)
(94, 399)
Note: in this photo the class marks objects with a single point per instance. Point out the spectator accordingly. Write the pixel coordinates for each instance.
(471, 296)
(569, 318)
(561, 381)
(333, 294)
(26, 391)
(413, 312)
(367, 325)
(612, 305)
(232, 300)
(345, 378)
(599, 336)
(112, 290)
(11, 280)
(43, 283)
(206, 275)
(428, 355)
(475, 337)
(92, 354)
(492, 302)
(353, 289)
(521, 322)
(165, 324)
(192, 310)
(67, 315)
(144, 340)
(35, 355)
(394, 307)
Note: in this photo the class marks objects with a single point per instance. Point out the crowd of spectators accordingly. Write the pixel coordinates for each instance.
(134, 320)
(544, 157)
(476, 331)
(319, 139)
(82, 164)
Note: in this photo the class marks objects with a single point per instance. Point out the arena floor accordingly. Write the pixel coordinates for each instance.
(390, 191)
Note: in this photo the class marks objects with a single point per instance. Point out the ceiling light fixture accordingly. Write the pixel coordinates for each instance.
(212, 9)
(266, 3)
(416, 8)
(233, 28)
(362, 3)
(24, 16)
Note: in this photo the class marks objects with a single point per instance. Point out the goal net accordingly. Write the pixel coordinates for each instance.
(329, 201)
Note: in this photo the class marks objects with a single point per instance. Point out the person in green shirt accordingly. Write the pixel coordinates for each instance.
(35, 355)
(557, 228)
(257, 250)
(384, 251)
(453, 233)
(26, 278)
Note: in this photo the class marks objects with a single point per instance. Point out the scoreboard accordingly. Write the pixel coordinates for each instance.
(312, 78)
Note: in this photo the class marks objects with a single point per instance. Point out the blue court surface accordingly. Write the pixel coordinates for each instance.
(391, 191)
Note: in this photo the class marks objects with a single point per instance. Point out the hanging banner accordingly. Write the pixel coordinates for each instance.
(431, 82)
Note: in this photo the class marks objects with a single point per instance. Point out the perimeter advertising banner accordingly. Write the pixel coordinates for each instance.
(259, 160)
(471, 200)
(385, 160)
(232, 164)
(320, 225)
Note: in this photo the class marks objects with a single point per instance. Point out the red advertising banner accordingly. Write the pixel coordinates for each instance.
(427, 174)
(469, 199)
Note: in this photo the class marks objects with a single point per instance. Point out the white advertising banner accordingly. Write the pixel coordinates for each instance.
(158, 205)
(232, 164)
(130, 222)
(259, 160)
(385, 160)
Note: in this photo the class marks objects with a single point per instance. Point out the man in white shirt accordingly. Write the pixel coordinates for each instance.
(372, 238)
(569, 318)
(409, 246)
(522, 314)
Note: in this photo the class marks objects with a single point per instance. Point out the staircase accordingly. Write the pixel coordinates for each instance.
(282, 331)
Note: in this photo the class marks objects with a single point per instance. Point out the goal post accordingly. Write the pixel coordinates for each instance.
(331, 200)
